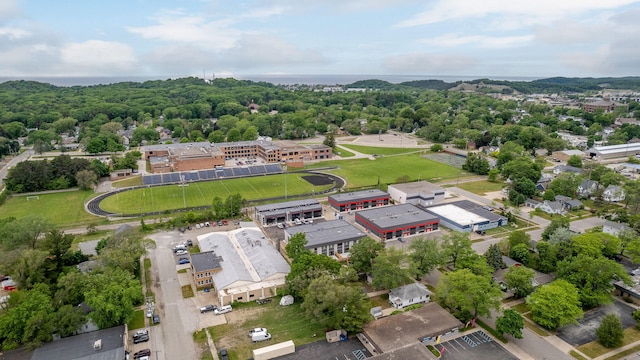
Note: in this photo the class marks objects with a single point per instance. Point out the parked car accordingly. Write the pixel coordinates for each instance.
(261, 337)
(219, 223)
(189, 242)
(223, 310)
(142, 353)
(181, 252)
(141, 338)
(140, 332)
(183, 261)
(280, 226)
(257, 330)
(208, 308)
(156, 319)
(149, 313)
(223, 354)
(225, 222)
(179, 247)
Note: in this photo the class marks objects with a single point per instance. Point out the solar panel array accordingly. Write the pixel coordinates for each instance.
(204, 175)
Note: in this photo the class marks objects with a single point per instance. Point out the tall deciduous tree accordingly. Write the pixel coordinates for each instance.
(494, 257)
(555, 304)
(519, 279)
(467, 295)
(511, 322)
(86, 179)
(112, 296)
(295, 246)
(336, 306)
(29, 319)
(592, 277)
(363, 253)
(456, 245)
(426, 255)
(391, 269)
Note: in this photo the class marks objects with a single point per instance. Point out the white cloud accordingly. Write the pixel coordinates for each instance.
(454, 40)
(425, 63)
(13, 33)
(179, 27)
(338, 6)
(522, 12)
(9, 9)
(97, 57)
(255, 51)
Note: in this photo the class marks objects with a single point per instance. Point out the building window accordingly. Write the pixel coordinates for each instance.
(239, 298)
(250, 296)
(340, 248)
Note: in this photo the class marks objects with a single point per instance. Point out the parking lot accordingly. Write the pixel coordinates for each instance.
(585, 331)
(351, 349)
(476, 345)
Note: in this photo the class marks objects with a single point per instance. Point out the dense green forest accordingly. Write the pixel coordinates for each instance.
(97, 116)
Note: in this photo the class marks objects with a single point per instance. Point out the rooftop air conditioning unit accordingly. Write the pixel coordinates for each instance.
(97, 345)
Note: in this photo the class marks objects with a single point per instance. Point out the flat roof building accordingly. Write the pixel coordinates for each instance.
(398, 221)
(278, 213)
(614, 151)
(358, 200)
(250, 268)
(421, 193)
(105, 344)
(467, 216)
(331, 238)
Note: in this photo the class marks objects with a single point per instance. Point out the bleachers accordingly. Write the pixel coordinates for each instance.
(210, 174)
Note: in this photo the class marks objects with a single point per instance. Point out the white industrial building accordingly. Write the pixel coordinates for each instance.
(614, 151)
(420, 193)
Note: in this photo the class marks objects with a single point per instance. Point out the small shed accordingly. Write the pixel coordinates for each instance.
(286, 300)
(336, 335)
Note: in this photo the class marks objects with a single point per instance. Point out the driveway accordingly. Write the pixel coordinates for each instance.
(580, 226)
(179, 317)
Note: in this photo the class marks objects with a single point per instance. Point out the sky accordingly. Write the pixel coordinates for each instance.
(177, 38)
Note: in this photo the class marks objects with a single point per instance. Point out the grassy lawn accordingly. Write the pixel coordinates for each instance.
(521, 308)
(381, 300)
(64, 209)
(595, 349)
(364, 172)
(170, 197)
(370, 150)
(343, 153)
(200, 338)
(132, 181)
(535, 328)
(576, 355)
(283, 323)
(187, 291)
(481, 187)
(623, 354)
(137, 322)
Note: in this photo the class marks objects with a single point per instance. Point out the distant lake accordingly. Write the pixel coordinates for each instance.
(283, 79)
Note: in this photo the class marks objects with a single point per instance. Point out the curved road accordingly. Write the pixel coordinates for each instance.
(93, 205)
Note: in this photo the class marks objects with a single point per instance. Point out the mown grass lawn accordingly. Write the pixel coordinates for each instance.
(481, 187)
(132, 181)
(370, 150)
(169, 197)
(137, 321)
(595, 349)
(64, 209)
(365, 172)
(282, 322)
(343, 153)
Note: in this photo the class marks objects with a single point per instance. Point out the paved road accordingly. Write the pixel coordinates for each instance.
(173, 337)
(5, 169)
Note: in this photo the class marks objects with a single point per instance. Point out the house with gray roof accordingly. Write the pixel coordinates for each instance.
(567, 168)
(552, 207)
(587, 188)
(613, 193)
(569, 203)
(250, 267)
(615, 228)
(106, 344)
(410, 294)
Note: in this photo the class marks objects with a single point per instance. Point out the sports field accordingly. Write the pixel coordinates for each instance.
(365, 172)
(169, 197)
(61, 209)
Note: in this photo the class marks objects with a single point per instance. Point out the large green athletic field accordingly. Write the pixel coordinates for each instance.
(67, 209)
(169, 197)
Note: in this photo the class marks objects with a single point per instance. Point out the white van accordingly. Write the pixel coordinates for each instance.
(260, 336)
(223, 310)
(179, 247)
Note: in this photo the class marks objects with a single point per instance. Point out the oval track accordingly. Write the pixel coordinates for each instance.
(93, 205)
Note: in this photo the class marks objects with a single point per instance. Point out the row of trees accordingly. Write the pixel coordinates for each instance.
(51, 288)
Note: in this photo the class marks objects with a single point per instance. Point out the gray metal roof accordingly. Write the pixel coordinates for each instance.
(612, 149)
(287, 205)
(80, 347)
(417, 187)
(410, 291)
(396, 216)
(327, 232)
(477, 209)
(246, 255)
(358, 195)
(205, 261)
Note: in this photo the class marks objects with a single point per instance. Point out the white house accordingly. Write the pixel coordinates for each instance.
(406, 295)
(587, 188)
(613, 193)
(552, 207)
(615, 228)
